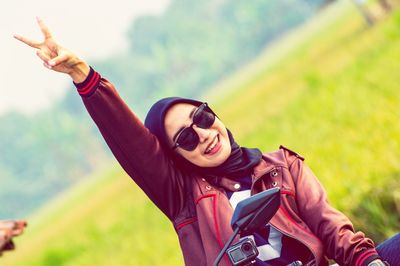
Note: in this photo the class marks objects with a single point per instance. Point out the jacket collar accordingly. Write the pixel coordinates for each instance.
(261, 169)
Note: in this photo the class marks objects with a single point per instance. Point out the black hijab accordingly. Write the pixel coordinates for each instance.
(240, 162)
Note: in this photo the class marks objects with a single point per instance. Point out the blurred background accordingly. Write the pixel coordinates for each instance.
(318, 76)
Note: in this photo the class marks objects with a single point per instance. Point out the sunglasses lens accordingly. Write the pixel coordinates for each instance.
(203, 118)
(188, 139)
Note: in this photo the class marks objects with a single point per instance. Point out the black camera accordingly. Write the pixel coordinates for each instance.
(243, 252)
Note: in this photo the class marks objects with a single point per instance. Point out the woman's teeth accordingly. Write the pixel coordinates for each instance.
(212, 144)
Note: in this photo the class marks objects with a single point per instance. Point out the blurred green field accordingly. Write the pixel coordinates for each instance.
(105, 221)
(333, 97)
(335, 100)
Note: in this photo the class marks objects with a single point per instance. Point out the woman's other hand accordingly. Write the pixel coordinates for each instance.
(56, 57)
(378, 263)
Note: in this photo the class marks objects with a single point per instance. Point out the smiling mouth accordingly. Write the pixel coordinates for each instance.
(214, 146)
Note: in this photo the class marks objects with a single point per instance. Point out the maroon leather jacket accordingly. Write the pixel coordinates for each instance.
(201, 212)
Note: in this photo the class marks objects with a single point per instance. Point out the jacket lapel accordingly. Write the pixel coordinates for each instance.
(214, 213)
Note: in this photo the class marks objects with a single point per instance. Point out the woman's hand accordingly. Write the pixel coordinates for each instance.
(377, 263)
(55, 56)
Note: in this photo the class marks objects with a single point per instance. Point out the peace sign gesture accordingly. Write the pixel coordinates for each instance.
(55, 56)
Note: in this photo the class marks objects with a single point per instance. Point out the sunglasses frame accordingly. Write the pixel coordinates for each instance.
(206, 108)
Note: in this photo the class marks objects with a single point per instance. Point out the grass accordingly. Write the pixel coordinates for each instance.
(333, 97)
(335, 100)
(107, 221)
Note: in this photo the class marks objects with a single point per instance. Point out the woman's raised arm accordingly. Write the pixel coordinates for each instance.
(136, 149)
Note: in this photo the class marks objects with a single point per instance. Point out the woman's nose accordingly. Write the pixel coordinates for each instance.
(203, 133)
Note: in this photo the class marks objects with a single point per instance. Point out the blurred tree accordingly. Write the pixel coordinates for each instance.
(362, 6)
(385, 5)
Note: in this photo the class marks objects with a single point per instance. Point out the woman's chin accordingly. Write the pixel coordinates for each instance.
(217, 158)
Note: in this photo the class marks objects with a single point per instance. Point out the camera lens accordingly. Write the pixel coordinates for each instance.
(247, 249)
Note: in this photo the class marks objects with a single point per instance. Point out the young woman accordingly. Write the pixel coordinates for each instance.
(187, 162)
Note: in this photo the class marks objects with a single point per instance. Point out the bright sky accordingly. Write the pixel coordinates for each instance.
(91, 29)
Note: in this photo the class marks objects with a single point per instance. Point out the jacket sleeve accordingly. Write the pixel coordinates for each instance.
(136, 149)
(332, 227)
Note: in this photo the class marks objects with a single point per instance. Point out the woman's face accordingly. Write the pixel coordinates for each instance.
(215, 137)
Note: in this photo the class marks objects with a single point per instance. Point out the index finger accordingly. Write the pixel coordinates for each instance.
(27, 41)
(45, 30)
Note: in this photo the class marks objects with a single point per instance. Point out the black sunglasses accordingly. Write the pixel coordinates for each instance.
(187, 138)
